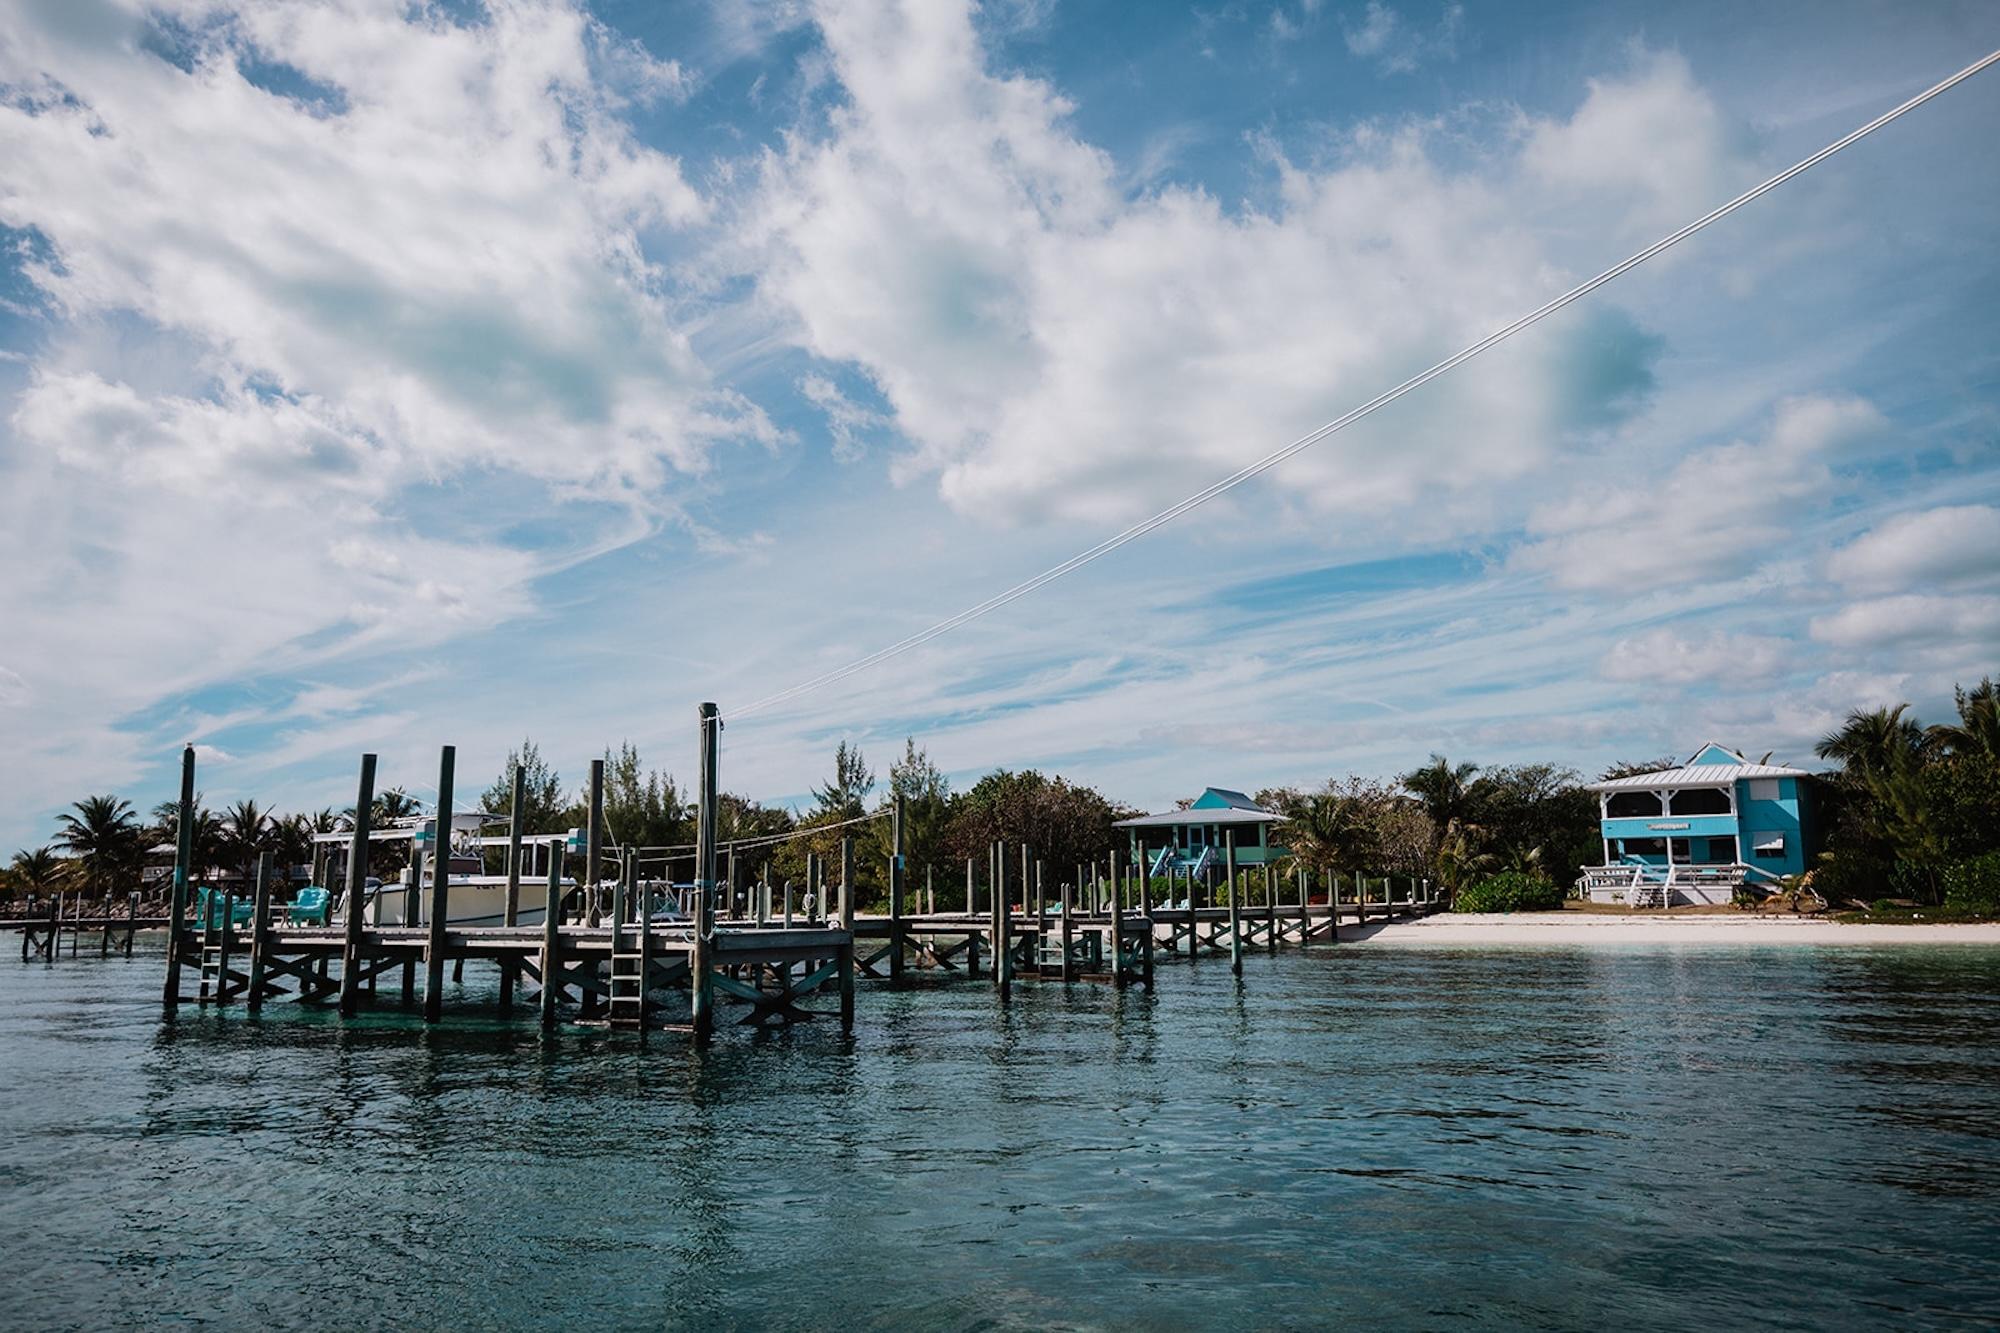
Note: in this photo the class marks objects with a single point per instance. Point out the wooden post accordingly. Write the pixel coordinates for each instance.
(645, 910)
(788, 904)
(260, 931)
(847, 884)
(1003, 912)
(700, 983)
(1270, 910)
(593, 844)
(846, 956)
(131, 921)
(177, 899)
(1068, 938)
(440, 905)
(1235, 912)
(357, 887)
(1146, 908)
(552, 940)
(511, 911)
(896, 892)
(1118, 976)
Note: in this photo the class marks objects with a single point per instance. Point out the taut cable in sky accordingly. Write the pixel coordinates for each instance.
(1304, 442)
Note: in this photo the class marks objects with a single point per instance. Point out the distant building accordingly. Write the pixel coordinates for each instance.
(1191, 841)
(1697, 833)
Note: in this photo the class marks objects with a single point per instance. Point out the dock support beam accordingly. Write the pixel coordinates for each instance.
(440, 888)
(177, 900)
(511, 914)
(552, 940)
(260, 931)
(896, 892)
(1235, 909)
(593, 842)
(357, 887)
(700, 983)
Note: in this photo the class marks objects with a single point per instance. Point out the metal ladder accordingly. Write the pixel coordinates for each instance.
(213, 956)
(627, 1005)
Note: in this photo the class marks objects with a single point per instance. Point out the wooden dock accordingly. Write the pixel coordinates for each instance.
(632, 953)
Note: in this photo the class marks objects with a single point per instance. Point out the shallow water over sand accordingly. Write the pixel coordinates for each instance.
(1563, 1137)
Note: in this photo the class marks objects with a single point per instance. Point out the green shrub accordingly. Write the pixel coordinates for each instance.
(1973, 885)
(1510, 891)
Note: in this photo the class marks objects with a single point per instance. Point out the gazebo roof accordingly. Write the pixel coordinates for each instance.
(1216, 805)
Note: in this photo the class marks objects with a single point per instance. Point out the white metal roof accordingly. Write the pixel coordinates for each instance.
(1696, 775)
(1214, 815)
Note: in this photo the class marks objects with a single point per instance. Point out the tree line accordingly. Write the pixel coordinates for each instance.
(1907, 807)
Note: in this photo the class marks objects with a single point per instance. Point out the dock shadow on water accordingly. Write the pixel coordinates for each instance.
(1647, 1137)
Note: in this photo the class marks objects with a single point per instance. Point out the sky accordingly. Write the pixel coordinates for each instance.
(380, 375)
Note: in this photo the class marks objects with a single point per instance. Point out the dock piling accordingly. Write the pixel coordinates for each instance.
(177, 899)
(440, 888)
(357, 887)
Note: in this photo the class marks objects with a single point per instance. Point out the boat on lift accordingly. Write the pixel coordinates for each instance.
(475, 897)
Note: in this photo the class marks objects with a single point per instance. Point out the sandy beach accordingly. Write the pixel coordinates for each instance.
(1573, 928)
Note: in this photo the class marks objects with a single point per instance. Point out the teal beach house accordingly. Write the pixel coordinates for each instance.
(1698, 833)
(1191, 842)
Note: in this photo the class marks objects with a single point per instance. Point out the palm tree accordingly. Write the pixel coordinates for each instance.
(1445, 789)
(1872, 740)
(1978, 728)
(210, 846)
(1459, 863)
(1328, 831)
(105, 839)
(38, 871)
(247, 836)
(392, 804)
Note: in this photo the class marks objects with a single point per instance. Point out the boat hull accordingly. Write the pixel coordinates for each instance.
(471, 901)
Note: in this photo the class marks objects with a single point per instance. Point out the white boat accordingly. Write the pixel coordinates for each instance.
(472, 896)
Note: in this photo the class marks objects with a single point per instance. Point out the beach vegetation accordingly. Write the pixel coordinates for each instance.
(1511, 891)
(1909, 803)
(1973, 885)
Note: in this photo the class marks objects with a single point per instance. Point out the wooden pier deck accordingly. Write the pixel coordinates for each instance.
(714, 945)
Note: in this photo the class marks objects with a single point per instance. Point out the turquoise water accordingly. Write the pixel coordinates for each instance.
(1650, 1137)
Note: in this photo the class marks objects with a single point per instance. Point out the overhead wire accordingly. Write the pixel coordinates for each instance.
(1277, 456)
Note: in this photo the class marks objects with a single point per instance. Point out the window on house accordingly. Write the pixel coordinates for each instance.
(1643, 846)
(1632, 804)
(1769, 846)
(1700, 801)
(1763, 789)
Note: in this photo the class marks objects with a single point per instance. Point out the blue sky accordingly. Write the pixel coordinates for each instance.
(377, 375)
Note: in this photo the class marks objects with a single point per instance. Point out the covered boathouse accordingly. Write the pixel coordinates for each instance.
(1190, 842)
(1699, 833)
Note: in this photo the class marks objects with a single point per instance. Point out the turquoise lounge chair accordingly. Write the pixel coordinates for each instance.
(208, 907)
(310, 907)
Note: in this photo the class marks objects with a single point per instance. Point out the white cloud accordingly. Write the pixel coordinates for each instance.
(1717, 658)
(298, 265)
(1055, 349)
(1651, 139)
(1398, 46)
(1912, 619)
(848, 423)
(1710, 514)
(1949, 544)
